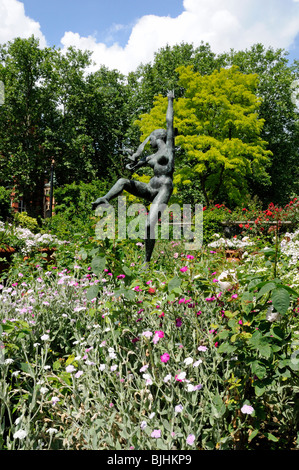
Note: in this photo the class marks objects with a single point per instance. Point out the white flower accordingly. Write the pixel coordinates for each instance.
(54, 400)
(143, 425)
(70, 368)
(167, 378)
(181, 376)
(148, 379)
(188, 361)
(196, 364)
(190, 388)
(151, 415)
(52, 431)
(247, 409)
(102, 367)
(272, 316)
(8, 361)
(178, 408)
(43, 390)
(20, 434)
(78, 374)
(113, 368)
(45, 337)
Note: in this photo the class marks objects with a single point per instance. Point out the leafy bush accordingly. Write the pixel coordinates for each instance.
(23, 220)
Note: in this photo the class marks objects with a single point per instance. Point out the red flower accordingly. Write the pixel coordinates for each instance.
(152, 290)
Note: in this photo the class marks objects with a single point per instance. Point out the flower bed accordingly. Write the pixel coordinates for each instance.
(191, 354)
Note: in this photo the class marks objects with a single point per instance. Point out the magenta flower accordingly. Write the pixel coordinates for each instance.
(178, 322)
(234, 296)
(165, 357)
(160, 333)
(156, 433)
(184, 269)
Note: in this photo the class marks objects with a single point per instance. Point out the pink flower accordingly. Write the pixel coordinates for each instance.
(247, 409)
(147, 334)
(234, 296)
(156, 433)
(190, 257)
(165, 357)
(184, 269)
(160, 333)
(155, 338)
(190, 439)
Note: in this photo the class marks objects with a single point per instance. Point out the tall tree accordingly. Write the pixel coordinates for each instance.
(219, 131)
(28, 108)
(281, 115)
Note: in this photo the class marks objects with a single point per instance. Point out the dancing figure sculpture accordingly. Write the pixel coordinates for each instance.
(160, 187)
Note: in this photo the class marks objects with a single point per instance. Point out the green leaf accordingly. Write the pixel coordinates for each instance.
(98, 265)
(253, 434)
(25, 367)
(270, 437)
(280, 300)
(258, 369)
(265, 289)
(70, 359)
(226, 348)
(92, 292)
(174, 283)
(259, 388)
(167, 425)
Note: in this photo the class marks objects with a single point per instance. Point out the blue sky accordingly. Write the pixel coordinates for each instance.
(123, 33)
(96, 17)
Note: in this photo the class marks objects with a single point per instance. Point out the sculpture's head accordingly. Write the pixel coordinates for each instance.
(158, 134)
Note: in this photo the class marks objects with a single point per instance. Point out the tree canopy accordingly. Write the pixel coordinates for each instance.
(227, 107)
(219, 130)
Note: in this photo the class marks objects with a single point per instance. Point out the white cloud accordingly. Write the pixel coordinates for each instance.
(14, 23)
(224, 24)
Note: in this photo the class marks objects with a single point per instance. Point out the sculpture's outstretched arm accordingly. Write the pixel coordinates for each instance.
(169, 119)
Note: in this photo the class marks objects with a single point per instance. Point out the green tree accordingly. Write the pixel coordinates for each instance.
(28, 108)
(280, 113)
(219, 130)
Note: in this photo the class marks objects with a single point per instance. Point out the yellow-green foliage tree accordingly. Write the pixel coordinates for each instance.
(218, 133)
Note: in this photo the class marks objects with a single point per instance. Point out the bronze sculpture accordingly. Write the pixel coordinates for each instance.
(159, 189)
